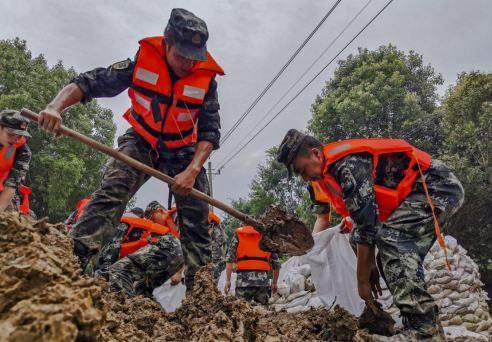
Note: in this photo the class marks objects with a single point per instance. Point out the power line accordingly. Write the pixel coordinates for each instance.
(263, 92)
(305, 86)
(298, 80)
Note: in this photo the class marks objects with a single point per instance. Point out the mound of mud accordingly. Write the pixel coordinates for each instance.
(44, 297)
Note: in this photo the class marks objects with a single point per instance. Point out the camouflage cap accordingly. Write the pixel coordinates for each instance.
(137, 211)
(189, 33)
(151, 209)
(14, 122)
(289, 147)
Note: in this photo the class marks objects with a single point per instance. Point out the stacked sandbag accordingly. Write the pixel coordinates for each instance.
(458, 293)
(296, 291)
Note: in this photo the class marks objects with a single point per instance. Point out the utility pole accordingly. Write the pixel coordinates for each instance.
(210, 175)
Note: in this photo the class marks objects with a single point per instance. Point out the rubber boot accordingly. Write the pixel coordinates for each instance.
(424, 327)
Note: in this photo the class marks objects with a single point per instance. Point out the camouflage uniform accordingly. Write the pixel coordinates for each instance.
(111, 251)
(17, 175)
(406, 236)
(149, 267)
(97, 226)
(252, 285)
(219, 248)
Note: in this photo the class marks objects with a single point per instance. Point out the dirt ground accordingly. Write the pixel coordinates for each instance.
(43, 297)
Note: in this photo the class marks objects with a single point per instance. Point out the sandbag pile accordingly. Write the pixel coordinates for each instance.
(296, 291)
(458, 293)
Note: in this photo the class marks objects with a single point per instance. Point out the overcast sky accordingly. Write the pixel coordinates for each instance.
(251, 40)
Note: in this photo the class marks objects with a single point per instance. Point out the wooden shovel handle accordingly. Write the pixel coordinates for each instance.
(142, 167)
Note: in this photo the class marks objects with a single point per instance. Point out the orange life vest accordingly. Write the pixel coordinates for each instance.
(24, 206)
(7, 156)
(387, 199)
(249, 256)
(138, 233)
(81, 207)
(212, 218)
(161, 111)
(321, 196)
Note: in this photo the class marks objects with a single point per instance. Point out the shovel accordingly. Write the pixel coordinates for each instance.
(281, 233)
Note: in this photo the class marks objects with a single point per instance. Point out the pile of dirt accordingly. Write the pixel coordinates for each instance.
(44, 297)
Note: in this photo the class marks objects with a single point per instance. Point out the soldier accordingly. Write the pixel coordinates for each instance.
(15, 157)
(112, 250)
(219, 244)
(140, 272)
(252, 266)
(175, 126)
(396, 196)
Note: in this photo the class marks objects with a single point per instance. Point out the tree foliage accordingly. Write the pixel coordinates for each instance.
(62, 170)
(381, 93)
(467, 125)
(271, 185)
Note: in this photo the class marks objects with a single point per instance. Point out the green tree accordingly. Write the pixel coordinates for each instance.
(271, 185)
(467, 124)
(62, 170)
(381, 93)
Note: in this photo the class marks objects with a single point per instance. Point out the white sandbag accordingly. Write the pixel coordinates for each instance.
(168, 296)
(456, 320)
(451, 309)
(315, 302)
(442, 294)
(471, 318)
(451, 243)
(296, 282)
(333, 269)
(433, 289)
(464, 288)
(283, 289)
(445, 303)
(470, 326)
(293, 296)
(443, 280)
(453, 332)
(305, 270)
(455, 295)
(438, 264)
(297, 309)
(300, 301)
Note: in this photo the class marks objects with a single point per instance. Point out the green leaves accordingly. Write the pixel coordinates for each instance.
(378, 94)
(62, 170)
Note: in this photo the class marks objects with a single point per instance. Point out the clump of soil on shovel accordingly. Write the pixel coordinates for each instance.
(44, 297)
(284, 233)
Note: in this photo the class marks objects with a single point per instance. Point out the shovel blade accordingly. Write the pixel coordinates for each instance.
(283, 233)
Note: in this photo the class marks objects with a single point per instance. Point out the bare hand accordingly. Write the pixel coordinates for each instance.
(365, 290)
(176, 279)
(227, 287)
(374, 280)
(184, 183)
(274, 289)
(50, 120)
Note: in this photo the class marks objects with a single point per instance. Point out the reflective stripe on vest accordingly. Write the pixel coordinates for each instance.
(387, 199)
(162, 111)
(249, 256)
(7, 156)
